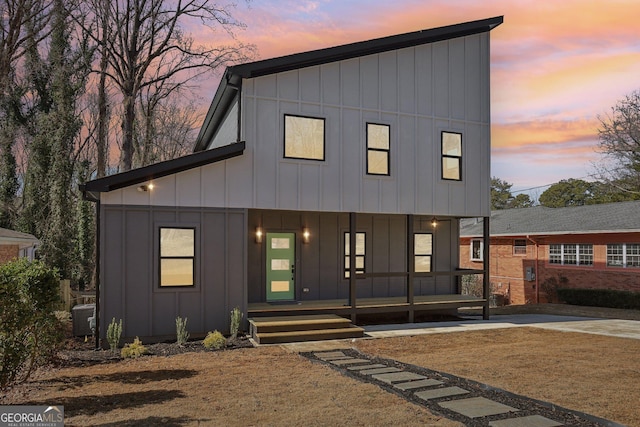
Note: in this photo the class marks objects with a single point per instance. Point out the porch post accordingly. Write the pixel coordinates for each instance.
(352, 265)
(410, 266)
(486, 279)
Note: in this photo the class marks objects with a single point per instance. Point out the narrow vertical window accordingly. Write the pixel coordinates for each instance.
(359, 253)
(378, 146)
(476, 250)
(303, 138)
(452, 156)
(177, 256)
(423, 251)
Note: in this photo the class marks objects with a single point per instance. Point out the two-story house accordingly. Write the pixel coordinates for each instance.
(329, 181)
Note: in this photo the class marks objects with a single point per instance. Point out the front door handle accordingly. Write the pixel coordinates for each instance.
(293, 271)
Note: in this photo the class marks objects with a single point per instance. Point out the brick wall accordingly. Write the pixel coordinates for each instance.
(8, 253)
(508, 270)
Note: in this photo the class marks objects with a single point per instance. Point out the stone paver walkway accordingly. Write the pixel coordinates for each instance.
(459, 399)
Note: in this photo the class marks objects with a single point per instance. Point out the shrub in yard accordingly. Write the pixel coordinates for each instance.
(30, 333)
(114, 331)
(214, 340)
(236, 318)
(133, 350)
(600, 298)
(182, 335)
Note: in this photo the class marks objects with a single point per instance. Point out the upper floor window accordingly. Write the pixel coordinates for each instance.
(477, 250)
(623, 255)
(378, 158)
(303, 137)
(519, 247)
(359, 253)
(571, 254)
(452, 156)
(423, 251)
(177, 256)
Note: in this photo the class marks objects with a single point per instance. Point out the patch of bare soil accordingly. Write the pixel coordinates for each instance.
(272, 386)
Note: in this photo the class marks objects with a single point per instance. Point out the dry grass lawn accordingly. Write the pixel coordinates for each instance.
(271, 386)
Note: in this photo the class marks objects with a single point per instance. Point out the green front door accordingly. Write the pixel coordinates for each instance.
(281, 269)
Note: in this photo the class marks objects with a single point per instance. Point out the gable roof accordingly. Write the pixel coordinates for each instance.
(92, 189)
(11, 237)
(232, 79)
(621, 217)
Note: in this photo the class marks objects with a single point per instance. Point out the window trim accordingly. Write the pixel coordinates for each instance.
(378, 150)
(448, 156)
(518, 248)
(416, 254)
(324, 138)
(481, 258)
(624, 254)
(346, 269)
(578, 254)
(159, 257)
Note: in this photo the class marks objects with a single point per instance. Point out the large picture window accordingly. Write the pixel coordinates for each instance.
(623, 255)
(571, 254)
(423, 251)
(452, 156)
(359, 253)
(378, 146)
(177, 256)
(303, 137)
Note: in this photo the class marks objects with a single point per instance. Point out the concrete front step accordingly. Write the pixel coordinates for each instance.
(283, 329)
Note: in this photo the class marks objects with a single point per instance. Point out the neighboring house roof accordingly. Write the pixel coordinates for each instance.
(23, 240)
(157, 170)
(232, 79)
(621, 217)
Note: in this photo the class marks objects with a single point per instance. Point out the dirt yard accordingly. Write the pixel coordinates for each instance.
(273, 386)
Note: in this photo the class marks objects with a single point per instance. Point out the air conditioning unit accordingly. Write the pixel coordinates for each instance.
(81, 314)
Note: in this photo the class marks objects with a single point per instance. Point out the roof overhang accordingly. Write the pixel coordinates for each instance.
(552, 233)
(92, 189)
(232, 79)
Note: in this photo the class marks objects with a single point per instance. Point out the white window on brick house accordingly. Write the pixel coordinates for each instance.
(477, 250)
(623, 255)
(520, 247)
(571, 254)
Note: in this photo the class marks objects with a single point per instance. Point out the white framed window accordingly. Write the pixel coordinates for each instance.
(477, 250)
(623, 255)
(519, 246)
(177, 257)
(423, 252)
(378, 149)
(360, 251)
(452, 156)
(303, 137)
(571, 254)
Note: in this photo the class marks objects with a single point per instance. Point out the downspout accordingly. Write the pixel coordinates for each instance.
(535, 270)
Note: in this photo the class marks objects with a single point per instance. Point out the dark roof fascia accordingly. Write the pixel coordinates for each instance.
(358, 49)
(232, 78)
(158, 170)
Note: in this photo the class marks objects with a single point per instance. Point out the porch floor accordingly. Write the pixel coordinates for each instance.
(364, 305)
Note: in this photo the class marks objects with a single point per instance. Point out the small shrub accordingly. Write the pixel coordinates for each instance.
(182, 335)
(601, 298)
(214, 340)
(30, 332)
(133, 350)
(551, 284)
(236, 318)
(472, 285)
(114, 331)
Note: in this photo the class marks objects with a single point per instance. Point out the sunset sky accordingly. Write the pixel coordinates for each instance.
(555, 65)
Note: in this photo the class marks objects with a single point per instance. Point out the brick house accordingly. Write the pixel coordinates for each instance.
(14, 244)
(593, 246)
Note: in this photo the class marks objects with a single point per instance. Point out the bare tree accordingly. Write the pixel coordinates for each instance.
(619, 135)
(145, 47)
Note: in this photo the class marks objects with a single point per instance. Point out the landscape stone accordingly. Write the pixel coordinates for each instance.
(477, 407)
(440, 392)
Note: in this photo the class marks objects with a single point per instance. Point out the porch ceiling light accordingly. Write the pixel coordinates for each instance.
(258, 235)
(306, 236)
